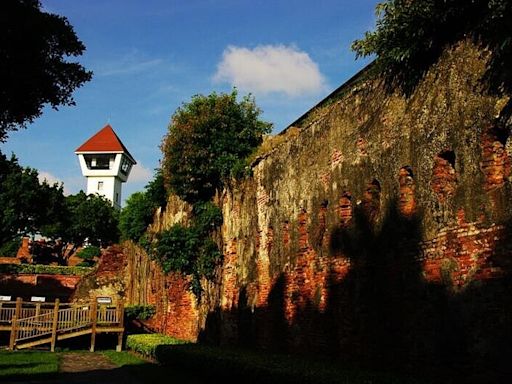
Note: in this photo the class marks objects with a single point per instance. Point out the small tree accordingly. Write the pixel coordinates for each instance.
(207, 138)
(34, 71)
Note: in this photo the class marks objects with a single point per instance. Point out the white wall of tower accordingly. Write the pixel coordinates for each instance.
(107, 186)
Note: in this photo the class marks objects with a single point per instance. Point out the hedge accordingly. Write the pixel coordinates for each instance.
(146, 344)
(25, 269)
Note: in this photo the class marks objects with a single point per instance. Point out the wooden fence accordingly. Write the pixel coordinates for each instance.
(32, 324)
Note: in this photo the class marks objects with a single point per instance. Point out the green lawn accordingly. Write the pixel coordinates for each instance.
(197, 364)
(27, 363)
(123, 359)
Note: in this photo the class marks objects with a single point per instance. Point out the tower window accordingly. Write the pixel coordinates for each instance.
(98, 161)
(117, 197)
(100, 185)
(125, 166)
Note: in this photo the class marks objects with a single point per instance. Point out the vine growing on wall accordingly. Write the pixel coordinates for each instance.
(190, 249)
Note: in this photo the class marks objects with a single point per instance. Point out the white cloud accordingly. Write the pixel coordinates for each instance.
(140, 173)
(51, 179)
(270, 69)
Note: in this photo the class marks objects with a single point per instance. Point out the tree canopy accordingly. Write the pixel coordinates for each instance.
(207, 138)
(90, 217)
(28, 206)
(136, 216)
(140, 207)
(34, 70)
(410, 36)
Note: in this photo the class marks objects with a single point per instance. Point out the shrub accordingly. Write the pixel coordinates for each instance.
(176, 249)
(10, 248)
(207, 217)
(21, 269)
(147, 344)
(89, 253)
(139, 312)
(190, 250)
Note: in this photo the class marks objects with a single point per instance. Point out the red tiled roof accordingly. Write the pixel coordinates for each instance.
(105, 140)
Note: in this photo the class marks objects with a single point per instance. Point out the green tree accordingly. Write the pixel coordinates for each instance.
(156, 191)
(34, 71)
(207, 138)
(410, 36)
(136, 216)
(92, 218)
(26, 205)
(140, 207)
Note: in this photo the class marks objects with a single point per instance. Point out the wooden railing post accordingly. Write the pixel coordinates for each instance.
(94, 319)
(55, 324)
(12, 340)
(120, 316)
(17, 311)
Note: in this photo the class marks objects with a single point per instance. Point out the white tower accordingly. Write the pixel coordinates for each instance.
(106, 163)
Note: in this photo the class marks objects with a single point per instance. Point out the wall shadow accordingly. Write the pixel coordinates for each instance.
(132, 374)
(47, 286)
(384, 315)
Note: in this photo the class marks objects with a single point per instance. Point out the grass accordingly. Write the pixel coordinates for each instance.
(251, 366)
(193, 363)
(148, 372)
(27, 363)
(122, 359)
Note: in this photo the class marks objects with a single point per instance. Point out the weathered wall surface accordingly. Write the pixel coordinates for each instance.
(109, 278)
(380, 233)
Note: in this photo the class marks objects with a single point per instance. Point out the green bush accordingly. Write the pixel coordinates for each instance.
(176, 249)
(189, 250)
(23, 269)
(10, 248)
(207, 217)
(89, 253)
(147, 344)
(140, 312)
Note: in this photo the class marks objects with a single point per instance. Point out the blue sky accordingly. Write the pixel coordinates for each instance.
(148, 57)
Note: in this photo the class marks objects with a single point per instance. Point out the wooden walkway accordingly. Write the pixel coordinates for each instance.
(32, 324)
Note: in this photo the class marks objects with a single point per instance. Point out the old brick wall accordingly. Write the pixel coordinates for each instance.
(146, 284)
(380, 233)
(177, 312)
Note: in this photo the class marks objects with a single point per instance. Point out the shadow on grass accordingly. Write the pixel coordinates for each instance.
(142, 372)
